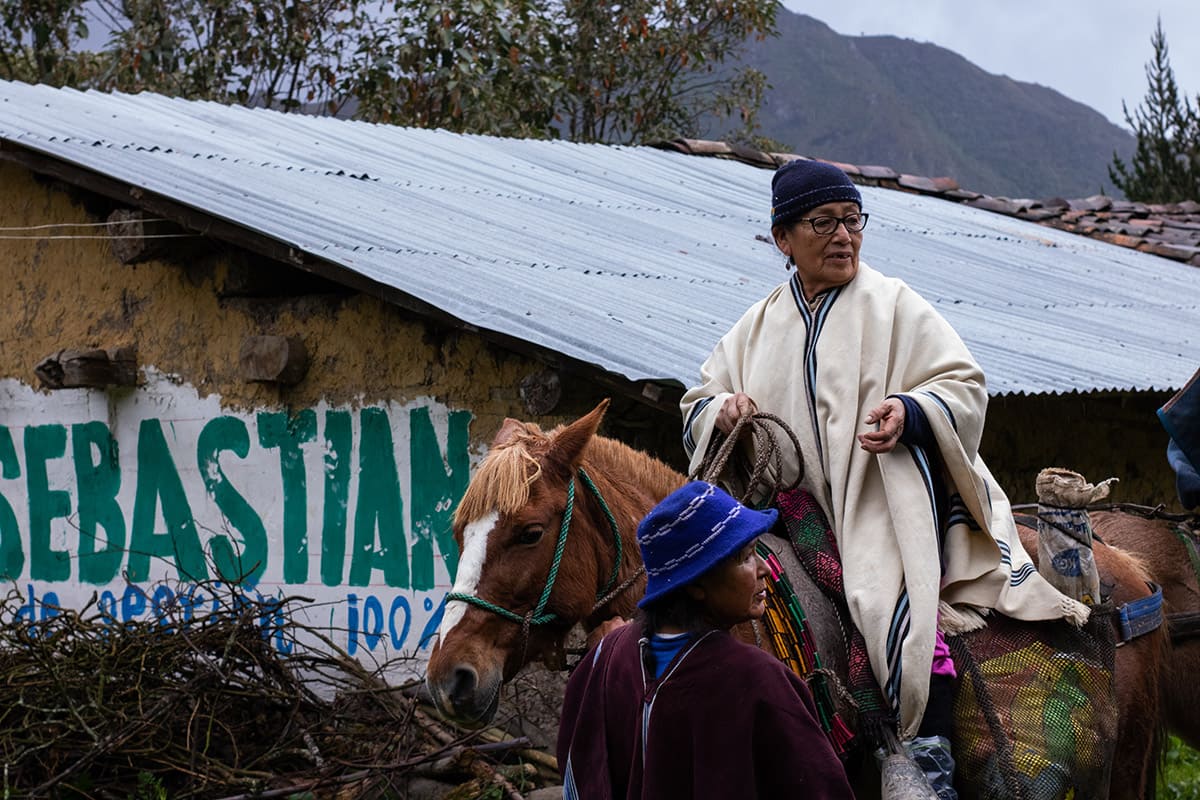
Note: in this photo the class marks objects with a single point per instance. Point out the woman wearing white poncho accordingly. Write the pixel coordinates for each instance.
(888, 405)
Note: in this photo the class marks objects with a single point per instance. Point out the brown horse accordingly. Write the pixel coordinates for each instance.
(1167, 558)
(547, 531)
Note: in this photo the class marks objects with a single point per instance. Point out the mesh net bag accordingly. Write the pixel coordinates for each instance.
(1035, 716)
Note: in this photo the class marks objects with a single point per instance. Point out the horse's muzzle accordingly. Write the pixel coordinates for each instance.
(462, 697)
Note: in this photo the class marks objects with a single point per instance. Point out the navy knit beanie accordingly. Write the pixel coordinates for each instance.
(691, 531)
(799, 186)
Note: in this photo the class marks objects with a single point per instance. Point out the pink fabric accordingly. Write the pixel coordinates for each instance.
(943, 664)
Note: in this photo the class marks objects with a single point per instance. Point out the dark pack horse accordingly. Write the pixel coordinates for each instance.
(547, 535)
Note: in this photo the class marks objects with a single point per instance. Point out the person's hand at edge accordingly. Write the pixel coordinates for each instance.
(889, 416)
(734, 408)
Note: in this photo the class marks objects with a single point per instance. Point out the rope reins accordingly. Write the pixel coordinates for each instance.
(768, 454)
(538, 615)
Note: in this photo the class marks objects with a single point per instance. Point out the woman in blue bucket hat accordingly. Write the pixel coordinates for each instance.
(672, 705)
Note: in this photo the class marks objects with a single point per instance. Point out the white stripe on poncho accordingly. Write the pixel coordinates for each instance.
(823, 369)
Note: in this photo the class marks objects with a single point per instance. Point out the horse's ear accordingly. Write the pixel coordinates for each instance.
(509, 429)
(568, 443)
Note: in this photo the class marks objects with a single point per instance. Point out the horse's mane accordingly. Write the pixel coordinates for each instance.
(633, 466)
(503, 479)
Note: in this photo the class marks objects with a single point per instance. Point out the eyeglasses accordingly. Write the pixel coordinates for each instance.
(825, 226)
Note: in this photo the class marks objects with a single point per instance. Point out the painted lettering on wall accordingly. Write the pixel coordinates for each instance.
(163, 490)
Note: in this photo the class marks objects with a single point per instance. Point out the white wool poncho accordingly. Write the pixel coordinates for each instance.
(822, 369)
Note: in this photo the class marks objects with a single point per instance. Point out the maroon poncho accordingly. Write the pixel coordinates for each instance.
(725, 720)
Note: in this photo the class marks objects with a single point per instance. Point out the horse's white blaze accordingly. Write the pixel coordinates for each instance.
(470, 568)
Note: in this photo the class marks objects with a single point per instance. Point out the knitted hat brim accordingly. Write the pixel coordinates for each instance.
(754, 524)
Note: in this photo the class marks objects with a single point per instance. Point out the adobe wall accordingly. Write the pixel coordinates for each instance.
(185, 320)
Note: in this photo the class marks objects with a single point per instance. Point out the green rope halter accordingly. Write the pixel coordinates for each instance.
(538, 614)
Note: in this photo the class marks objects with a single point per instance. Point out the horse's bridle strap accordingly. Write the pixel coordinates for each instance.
(612, 525)
(500, 610)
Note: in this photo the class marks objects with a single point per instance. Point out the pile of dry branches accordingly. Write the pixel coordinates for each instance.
(205, 706)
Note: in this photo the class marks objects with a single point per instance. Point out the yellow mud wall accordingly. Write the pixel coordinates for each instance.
(72, 293)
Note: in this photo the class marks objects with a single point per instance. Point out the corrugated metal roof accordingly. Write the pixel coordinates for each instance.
(632, 259)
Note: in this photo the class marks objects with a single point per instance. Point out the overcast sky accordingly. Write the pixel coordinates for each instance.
(1093, 51)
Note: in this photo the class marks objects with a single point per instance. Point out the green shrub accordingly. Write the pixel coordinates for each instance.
(1179, 778)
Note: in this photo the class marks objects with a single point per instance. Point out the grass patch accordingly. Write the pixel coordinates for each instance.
(1179, 778)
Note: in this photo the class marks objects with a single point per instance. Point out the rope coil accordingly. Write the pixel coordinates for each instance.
(768, 454)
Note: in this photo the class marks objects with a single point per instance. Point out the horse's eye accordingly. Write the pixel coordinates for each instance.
(530, 534)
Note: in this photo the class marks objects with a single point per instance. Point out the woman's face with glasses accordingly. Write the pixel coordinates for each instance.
(829, 258)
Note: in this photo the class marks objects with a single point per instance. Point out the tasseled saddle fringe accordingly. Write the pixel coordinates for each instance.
(792, 639)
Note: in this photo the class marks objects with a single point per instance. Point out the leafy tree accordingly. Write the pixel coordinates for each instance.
(645, 69)
(272, 53)
(37, 40)
(588, 70)
(478, 66)
(1165, 167)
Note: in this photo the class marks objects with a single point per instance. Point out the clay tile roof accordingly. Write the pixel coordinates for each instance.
(927, 185)
(878, 173)
(1169, 230)
(1093, 203)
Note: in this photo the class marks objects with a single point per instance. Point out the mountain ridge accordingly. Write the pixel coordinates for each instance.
(923, 109)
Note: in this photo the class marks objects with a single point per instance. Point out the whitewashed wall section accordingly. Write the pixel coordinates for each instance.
(135, 498)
